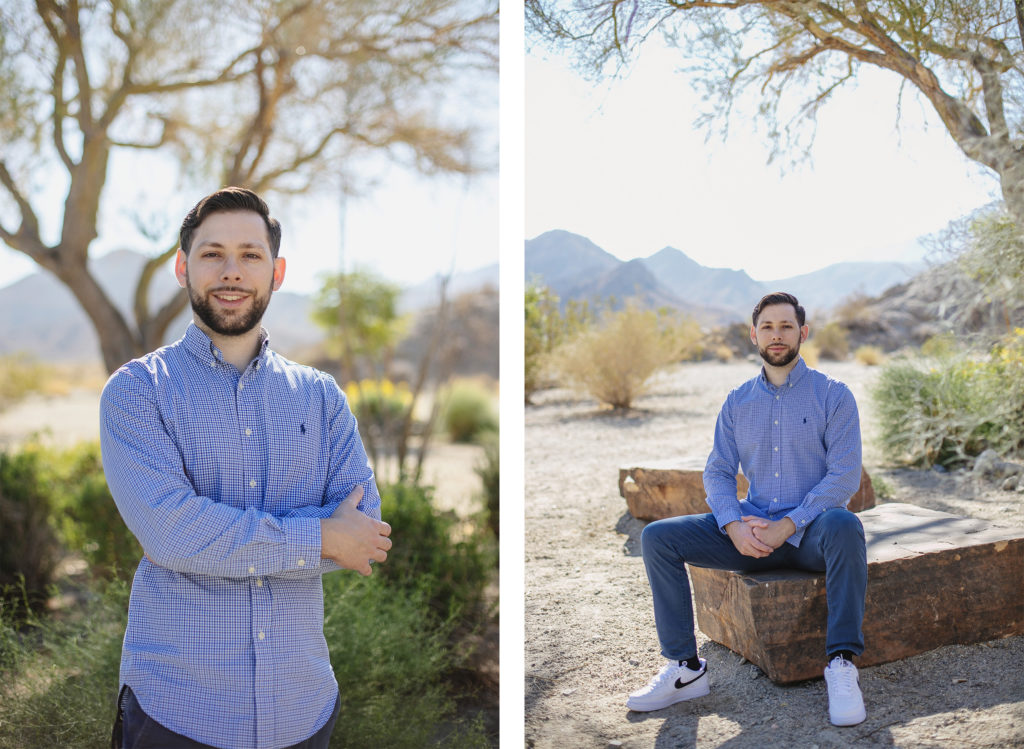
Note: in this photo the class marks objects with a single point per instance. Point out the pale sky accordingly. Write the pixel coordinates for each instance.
(406, 227)
(620, 162)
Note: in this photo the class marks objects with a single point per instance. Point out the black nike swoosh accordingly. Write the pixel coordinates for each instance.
(680, 684)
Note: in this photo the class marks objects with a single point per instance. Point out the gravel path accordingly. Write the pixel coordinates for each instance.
(589, 627)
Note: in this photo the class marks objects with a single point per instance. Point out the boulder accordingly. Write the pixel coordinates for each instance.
(667, 489)
(934, 579)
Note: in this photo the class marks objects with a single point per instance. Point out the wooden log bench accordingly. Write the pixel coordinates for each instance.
(933, 579)
(665, 489)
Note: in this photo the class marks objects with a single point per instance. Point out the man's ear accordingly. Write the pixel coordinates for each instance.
(181, 268)
(753, 335)
(279, 267)
(804, 332)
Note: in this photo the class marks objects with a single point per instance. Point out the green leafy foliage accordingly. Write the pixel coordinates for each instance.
(945, 406)
(468, 411)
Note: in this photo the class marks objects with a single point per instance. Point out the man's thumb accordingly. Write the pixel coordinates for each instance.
(356, 496)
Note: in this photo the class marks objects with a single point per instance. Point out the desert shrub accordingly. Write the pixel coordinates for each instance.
(29, 551)
(451, 569)
(723, 353)
(381, 407)
(490, 476)
(20, 375)
(871, 356)
(543, 331)
(946, 407)
(613, 360)
(390, 637)
(832, 342)
(468, 411)
(810, 352)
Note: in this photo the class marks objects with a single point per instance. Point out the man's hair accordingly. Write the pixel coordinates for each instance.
(779, 297)
(227, 200)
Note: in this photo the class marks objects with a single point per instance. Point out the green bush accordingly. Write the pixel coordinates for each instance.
(468, 411)
(946, 407)
(87, 517)
(29, 551)
(432, 557)
(490, 476)
(614, 360)
(390, 638)
(832, 342)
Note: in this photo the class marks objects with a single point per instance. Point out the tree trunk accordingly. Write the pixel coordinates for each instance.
(1011, 182)
(117, 342)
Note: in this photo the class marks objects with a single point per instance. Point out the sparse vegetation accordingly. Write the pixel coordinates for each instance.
(832, 342)
(468, 411)
(614, 359)
(20, 376)
(809, 351)
(946, 405)
(870, 356)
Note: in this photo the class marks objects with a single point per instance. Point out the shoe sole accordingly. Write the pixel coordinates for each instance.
(694, 689)
(851, 720)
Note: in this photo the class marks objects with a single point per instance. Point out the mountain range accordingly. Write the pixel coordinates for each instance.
(42, 318)
(573, 267)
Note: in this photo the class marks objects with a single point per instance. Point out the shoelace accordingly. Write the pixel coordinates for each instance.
(665, 673)
(845, 678)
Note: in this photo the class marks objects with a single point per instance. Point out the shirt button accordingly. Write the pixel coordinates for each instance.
(252, 483)
(213, 363)
(776, 448)
(252, 570)
(259, 583)
(776, 474)
(776, 397)
(241, 386)
(248, 431)
(301, 563)
(261, 634)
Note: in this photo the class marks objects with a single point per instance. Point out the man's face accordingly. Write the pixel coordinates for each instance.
(230, 272)
(778, 335)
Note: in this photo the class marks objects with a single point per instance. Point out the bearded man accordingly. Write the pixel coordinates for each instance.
(796, 433)
(244, 479)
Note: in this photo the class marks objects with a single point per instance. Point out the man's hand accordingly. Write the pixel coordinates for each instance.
(771, 532)
(741, 533)
(351, 538)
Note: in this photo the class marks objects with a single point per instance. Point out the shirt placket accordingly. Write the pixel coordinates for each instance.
(254, 449)
(776, 452)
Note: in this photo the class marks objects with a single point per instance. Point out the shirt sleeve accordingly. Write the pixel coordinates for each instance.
(720, 470)
(179, 529)
(349, 465)
(842, 459)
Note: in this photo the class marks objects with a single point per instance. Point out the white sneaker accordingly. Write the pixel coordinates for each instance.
(674, 683)
(845, 702)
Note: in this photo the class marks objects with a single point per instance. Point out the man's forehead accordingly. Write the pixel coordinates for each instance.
(246, 228)
(777, 313)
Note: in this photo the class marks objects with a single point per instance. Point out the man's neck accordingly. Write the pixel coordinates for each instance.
(777, 376)
(238, 350)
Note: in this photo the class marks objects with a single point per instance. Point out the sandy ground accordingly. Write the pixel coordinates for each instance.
(589, 626)
(65, 420)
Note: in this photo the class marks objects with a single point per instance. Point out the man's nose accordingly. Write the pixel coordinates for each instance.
(231, 270)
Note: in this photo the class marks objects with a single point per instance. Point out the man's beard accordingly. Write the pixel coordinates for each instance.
(781, 359)
(221, 323)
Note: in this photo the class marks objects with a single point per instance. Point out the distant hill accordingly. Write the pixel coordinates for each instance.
(576, 268)
(41, 317)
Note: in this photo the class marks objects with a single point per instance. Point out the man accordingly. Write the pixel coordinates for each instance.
(796, 433)
(243, 477)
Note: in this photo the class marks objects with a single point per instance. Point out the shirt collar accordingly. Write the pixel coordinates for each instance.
(794, 376)
(199, 344)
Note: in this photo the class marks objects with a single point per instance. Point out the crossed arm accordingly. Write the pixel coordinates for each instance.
(186, 532)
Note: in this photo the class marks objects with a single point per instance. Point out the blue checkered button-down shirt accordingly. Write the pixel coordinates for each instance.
(223, 477)
(799, 446)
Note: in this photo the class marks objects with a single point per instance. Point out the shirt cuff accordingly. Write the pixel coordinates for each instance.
(302, 547)
(725, 512)
(802, 517)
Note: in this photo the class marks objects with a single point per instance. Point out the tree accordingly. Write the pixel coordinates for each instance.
(284, 97)
(965, 58)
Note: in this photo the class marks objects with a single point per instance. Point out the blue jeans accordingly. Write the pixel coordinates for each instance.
(142, 732)
(833, 543)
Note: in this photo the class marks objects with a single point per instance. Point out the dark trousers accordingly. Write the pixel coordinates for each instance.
(136, 730)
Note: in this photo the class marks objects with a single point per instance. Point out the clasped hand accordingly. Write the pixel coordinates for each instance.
(352, 539)
(754, 536)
